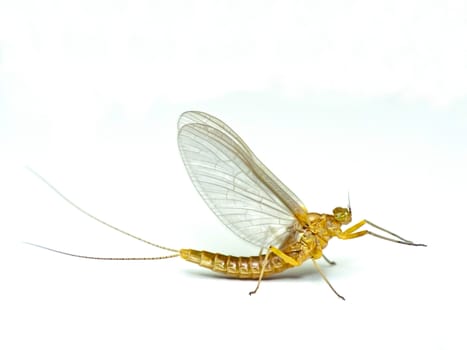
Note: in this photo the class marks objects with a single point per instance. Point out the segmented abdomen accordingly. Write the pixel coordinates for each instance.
(248, 267)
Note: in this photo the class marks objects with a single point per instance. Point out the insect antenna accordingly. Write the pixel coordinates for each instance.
(103, 223)
(348, 203)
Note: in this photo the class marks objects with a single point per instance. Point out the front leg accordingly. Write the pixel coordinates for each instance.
(350, 234)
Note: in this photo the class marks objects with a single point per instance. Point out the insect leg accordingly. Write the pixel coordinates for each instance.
(284, 256)
(350, 234)
(387, 231)
(325, 279)
(261, 274)
(281, 255)
(330, 262)
(395, 240)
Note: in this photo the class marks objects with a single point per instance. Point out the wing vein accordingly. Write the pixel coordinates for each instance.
(244, 194)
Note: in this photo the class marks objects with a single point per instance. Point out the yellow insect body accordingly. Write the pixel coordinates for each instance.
(303, 243)
(253, 203)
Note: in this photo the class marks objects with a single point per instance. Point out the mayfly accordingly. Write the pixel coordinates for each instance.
(253, 203)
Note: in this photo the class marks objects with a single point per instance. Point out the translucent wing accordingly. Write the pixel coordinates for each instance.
(246, 196)
(293, 202)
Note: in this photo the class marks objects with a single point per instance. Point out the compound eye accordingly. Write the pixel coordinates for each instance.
(342, 215)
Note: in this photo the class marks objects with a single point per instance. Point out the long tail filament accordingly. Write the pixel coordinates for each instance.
(103, 223)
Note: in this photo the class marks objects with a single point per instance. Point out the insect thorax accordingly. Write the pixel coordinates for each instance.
(312, 238)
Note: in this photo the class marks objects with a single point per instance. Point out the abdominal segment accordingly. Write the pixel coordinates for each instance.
(245, 267)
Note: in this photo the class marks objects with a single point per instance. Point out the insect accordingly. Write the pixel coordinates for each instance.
(253, 203)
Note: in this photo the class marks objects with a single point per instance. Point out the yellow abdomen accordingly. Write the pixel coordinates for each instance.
(248, 267)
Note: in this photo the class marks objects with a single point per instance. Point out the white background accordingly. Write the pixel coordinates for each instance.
(366, 97)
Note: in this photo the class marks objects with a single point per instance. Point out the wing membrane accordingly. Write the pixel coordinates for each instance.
(245, 195)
